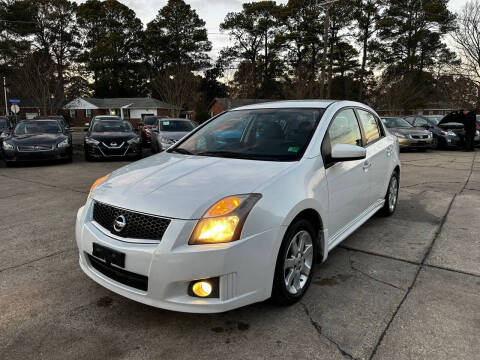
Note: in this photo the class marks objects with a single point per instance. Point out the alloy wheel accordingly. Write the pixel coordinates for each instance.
(298, 262)
(393, 194)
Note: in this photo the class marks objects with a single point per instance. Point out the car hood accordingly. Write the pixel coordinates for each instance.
(108, 137)
(174, 135)
(410, 131)
(184, 187)
(38, 139)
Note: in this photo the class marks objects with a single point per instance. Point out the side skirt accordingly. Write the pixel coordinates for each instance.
(354, 225)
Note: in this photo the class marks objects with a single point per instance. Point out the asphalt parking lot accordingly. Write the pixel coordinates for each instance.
(405, 287)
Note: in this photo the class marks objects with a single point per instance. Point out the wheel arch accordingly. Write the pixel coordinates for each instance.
(314, 217)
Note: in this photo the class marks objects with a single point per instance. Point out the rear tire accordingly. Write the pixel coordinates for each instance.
(295, 263)
(391, 199)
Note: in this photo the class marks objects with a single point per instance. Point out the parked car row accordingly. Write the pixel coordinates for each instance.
(107, 137)
(419, 132)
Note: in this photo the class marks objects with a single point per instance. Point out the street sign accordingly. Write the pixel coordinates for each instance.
(14, 101)
(15, 108)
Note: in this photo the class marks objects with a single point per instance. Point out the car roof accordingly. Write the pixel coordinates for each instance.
(288, 104)
(175, 119)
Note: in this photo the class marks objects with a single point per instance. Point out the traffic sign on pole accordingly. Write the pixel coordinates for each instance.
(15, 108)
(14, 101)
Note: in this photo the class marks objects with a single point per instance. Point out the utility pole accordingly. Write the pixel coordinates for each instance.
(5, 92)
(326, 25)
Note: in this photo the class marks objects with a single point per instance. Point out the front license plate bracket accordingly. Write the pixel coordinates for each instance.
(108, 255)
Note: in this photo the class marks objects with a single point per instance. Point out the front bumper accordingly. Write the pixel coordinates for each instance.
(99, 151)
(407, 143)
(245, 268)
(54, 154)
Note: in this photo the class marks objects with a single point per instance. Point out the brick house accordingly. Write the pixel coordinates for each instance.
(219, 105)
(82, 110)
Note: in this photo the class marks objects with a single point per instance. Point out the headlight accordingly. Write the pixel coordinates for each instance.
(91, 141)
(400, 135)
(166, 141)
(223, 222)
(7, 146)
(3, 135)
(135, 140)
(451, 133)
(96, 183)
(64, 144)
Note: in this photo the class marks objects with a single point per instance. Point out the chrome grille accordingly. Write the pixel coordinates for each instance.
(35, 148)
(419, 137)
(138, 225)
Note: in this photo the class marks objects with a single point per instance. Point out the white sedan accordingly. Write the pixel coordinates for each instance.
(242, 208)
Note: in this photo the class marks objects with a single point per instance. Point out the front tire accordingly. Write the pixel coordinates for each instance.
(295, 263)
(391, 199)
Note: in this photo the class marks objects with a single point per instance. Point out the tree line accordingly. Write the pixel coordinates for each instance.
(391, 54)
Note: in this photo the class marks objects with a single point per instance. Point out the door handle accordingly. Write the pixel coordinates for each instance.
(389, 150)
(367, 165)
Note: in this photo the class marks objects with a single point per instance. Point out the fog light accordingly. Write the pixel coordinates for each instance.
(202, 289)
(205, 288)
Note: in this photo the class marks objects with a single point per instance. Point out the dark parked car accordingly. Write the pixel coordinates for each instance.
(146, 127)
(60, 118)
(112, 139)
(442, 137)
(452, 122)
(167, 132)
(37, 140)
(409, 136)
(89, 125)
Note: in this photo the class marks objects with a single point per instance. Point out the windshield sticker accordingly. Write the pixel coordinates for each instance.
(293, 149)
(166, 123)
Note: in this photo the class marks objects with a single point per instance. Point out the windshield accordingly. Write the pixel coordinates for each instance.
(435, 119)
(396, 123)
(176, 126)
(264, 134)
(112, 126)
(37, 127)
(150, 121)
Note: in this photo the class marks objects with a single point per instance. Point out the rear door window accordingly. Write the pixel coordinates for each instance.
(370, 126)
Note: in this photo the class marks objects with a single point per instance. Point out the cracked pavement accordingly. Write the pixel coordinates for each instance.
(405, 287)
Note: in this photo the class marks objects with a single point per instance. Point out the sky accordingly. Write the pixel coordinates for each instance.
(213, 12)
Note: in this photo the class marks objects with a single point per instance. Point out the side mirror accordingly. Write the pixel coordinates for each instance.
(141, 124)
(347, 152)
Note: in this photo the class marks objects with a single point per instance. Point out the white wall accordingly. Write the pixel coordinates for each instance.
(137, 113)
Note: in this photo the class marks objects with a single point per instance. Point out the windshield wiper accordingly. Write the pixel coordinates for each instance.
(223, 154)
(181, 151)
